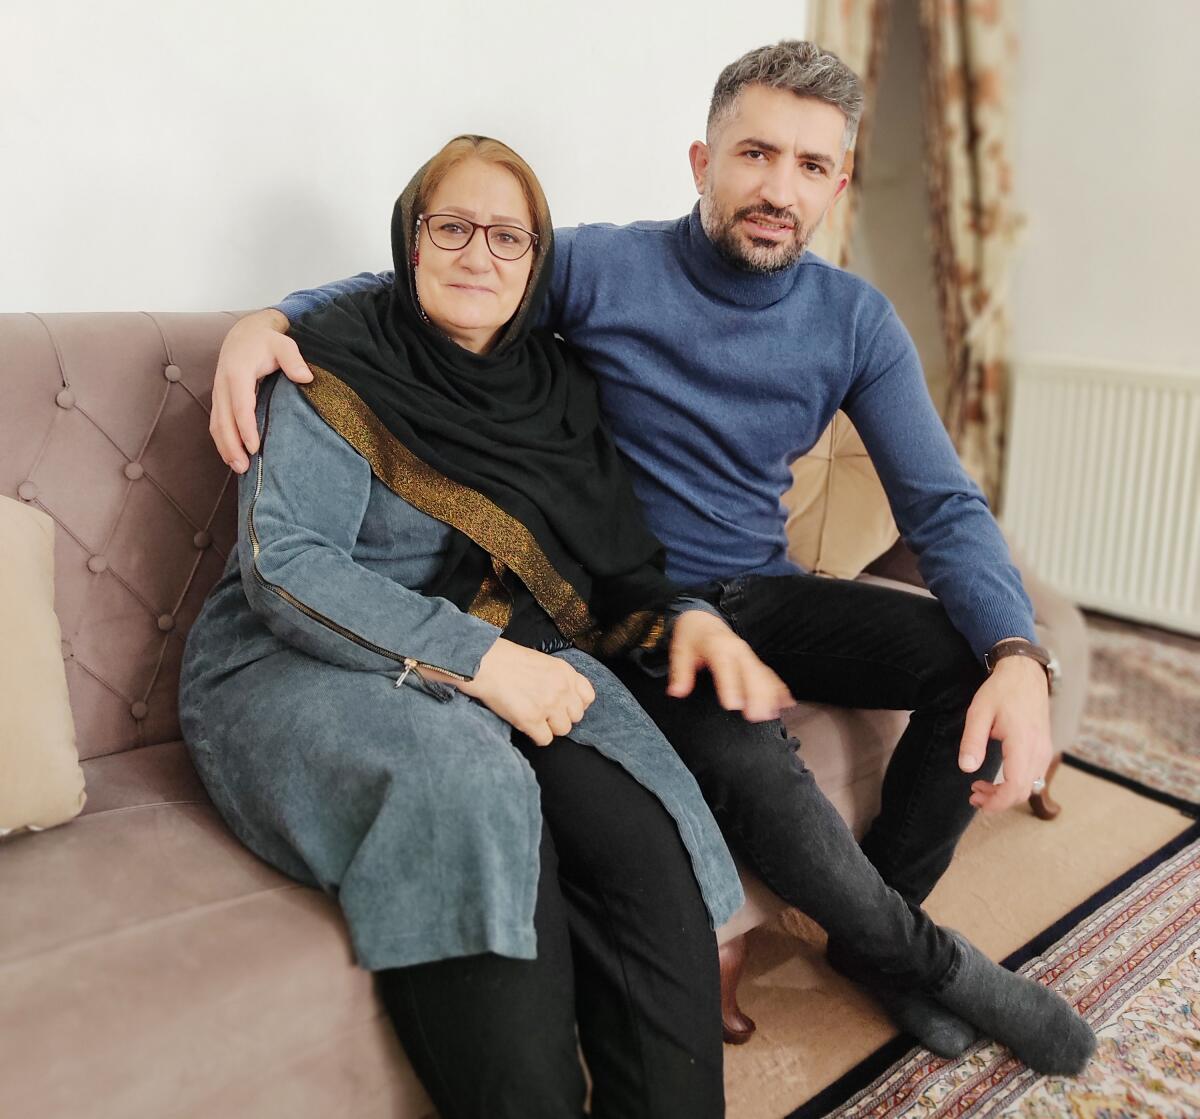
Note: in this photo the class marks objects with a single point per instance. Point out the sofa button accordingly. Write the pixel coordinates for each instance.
(139, 710)
(173, 373)
(97, 564)
(27, 491)
(134, 470)
(166, 623)
(65, 398)
(67, 651)
(202, 539)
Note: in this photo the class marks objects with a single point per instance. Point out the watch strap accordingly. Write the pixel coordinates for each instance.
(1022, 647)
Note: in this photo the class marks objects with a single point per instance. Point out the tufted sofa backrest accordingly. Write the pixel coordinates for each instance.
(104, 426)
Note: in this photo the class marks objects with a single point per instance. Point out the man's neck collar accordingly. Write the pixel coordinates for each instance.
(712, 272)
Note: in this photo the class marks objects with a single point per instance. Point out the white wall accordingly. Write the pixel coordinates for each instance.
(1108, 163)
(179, 155)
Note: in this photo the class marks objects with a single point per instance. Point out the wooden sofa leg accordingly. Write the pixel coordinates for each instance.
(1044, 806)
(736, 1026)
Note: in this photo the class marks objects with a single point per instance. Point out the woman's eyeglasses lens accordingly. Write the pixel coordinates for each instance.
(508, 242)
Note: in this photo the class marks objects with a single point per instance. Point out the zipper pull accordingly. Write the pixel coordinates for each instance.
(443, 693)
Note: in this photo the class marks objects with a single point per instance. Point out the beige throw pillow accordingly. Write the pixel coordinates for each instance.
(41, 783)
(838, 515)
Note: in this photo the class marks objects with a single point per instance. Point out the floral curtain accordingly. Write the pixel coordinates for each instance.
(970, 48)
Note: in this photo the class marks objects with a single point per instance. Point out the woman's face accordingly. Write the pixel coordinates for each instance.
(469, 293)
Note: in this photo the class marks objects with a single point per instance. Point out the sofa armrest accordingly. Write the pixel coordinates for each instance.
(899, 563)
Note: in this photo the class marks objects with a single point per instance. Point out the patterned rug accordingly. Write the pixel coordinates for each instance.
(1130, 964)
(1142, 718)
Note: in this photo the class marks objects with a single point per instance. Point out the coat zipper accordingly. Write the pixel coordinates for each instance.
(438, 690)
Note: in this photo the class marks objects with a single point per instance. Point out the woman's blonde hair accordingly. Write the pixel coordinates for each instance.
(490, 151)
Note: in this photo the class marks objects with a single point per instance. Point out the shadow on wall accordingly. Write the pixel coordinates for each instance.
(891, 246)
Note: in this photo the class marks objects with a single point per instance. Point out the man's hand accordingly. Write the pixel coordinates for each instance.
(742, 682)
(540, 695)
(1013, 705)
(254, 348)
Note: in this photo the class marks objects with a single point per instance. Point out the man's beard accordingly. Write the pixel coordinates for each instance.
(756, 254)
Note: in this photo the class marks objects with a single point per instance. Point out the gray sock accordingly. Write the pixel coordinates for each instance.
(1040, 1027)
(916, 1013)
(938, 1029)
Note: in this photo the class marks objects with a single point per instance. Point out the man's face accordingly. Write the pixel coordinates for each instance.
(772, 169)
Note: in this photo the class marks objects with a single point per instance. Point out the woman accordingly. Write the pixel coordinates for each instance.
(392, 665)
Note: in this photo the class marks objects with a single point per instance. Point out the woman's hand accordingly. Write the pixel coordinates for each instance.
(254, 348)
(542, 696)
(743, 683)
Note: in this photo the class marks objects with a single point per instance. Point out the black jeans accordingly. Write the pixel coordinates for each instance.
(625, 952)
(855, 645)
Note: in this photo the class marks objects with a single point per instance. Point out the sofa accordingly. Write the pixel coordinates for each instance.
(149, 964)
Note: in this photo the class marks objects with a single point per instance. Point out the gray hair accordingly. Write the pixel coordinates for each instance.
(799, 67)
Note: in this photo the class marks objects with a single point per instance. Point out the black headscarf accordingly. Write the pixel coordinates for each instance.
(507, 447)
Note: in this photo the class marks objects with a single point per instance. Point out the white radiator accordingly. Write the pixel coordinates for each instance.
(1102, 487)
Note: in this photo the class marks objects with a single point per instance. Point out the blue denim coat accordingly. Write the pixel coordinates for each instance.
(403, 799)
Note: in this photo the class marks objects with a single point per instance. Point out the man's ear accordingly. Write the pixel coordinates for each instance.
(845, 175)
(698, 155)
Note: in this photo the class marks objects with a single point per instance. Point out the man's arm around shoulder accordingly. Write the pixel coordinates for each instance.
(255, 347)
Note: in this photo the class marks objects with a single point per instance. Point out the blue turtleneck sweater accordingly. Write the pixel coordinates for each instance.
(714, 380)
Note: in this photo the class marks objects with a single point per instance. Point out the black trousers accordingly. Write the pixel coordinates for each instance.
(625, 953)
(855, 645)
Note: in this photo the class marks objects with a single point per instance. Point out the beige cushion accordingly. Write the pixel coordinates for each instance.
(41, 783)
(838, 515)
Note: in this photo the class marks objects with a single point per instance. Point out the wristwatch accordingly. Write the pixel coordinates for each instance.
(1021, 647)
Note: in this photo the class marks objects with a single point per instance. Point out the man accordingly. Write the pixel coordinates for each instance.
(723, 350)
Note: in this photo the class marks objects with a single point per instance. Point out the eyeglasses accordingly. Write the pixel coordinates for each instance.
(505, 242)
